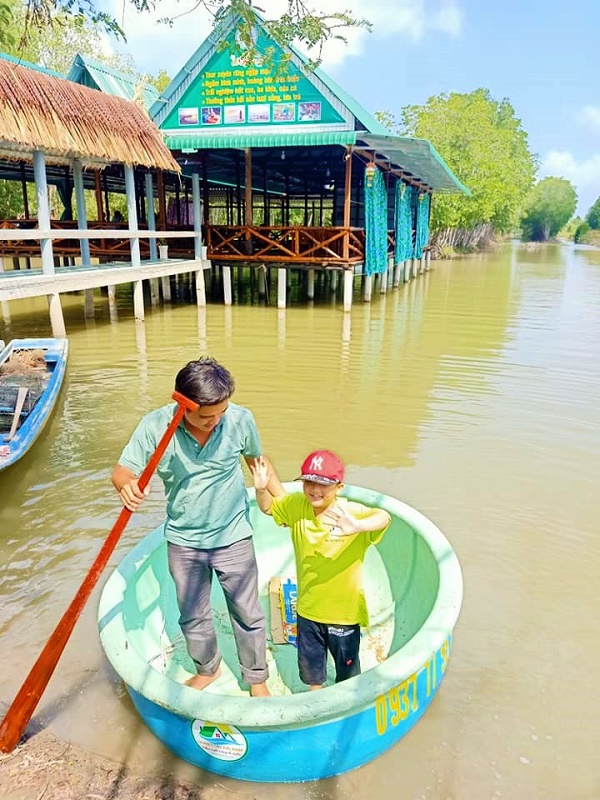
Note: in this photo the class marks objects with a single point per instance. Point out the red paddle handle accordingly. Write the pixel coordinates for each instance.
(24, 704)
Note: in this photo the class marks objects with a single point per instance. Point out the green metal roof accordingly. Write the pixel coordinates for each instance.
(416, 156)
(29, 65)
(210, 140)
(97, 75)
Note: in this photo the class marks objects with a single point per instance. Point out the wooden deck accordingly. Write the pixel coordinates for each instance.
(18, 284)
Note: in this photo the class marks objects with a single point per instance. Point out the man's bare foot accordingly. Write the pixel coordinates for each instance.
(202, 681)
(259, 690)
(315, 687)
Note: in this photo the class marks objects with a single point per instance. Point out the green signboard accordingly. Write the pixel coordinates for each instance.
(232, 92)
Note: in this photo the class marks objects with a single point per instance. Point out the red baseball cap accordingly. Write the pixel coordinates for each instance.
(322, 466)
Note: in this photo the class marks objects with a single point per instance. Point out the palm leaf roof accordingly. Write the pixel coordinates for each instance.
(40, 111)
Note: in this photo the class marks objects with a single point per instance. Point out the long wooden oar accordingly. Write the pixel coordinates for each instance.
(23, 706)
(21, 395)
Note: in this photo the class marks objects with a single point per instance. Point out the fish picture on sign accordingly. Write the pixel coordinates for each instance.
(188, 116)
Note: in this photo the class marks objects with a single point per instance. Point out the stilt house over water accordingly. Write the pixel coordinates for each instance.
(271, 165)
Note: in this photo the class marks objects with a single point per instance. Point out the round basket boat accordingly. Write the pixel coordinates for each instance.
(413, 586)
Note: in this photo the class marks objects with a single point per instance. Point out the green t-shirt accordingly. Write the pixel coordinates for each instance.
(207, 504)
(328, 567)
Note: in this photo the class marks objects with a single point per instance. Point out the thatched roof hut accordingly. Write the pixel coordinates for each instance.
(68, 121)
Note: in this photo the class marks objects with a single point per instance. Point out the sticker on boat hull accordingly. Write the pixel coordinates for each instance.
(219, 740)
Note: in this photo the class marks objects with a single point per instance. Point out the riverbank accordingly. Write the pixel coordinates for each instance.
(45, 768)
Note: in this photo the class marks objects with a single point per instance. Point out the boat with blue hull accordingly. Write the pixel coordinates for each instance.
(31, 375)
(413, 586)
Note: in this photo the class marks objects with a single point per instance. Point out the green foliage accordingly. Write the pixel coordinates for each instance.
(593, 216)
(298, 23)
(580, 232)
(485, 146)
(11, 199)
(161, 81)
(550, 205)
(54, 46)
(7, 27)
(568, 231)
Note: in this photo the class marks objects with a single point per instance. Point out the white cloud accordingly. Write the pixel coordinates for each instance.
(155, 46)
(590, 117)
(584, 174)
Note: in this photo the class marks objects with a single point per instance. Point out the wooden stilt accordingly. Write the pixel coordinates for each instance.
(383, 282)
(200, 288)
(281, 287)
(57, 321)
(262, 280)
(138, 300)
(348, 281)
(310, 284)
(88, 304)
(227, 294)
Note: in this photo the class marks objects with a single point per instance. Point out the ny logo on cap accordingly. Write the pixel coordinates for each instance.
(317, 463)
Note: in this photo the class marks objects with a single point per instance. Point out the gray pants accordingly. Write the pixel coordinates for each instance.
(236, 571)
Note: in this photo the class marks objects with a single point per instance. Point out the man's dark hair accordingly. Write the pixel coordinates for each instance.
(205, 381)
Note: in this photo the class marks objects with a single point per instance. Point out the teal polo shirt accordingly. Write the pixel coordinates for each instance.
(207, 505)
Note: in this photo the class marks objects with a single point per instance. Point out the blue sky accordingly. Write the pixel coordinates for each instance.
(542, 56)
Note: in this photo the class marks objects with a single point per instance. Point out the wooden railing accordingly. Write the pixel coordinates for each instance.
(104, 247)
(289, 244)
(285, 244)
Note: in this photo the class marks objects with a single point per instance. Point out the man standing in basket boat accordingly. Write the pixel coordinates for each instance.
(207, 527)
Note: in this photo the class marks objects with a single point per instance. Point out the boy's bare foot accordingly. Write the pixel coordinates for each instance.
(315, 687)
(259, 690)
(202, 681)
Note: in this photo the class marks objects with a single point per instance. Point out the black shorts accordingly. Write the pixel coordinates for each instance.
(316, 639)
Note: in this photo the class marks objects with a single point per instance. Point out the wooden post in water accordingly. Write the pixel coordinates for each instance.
(348, 281)
(57, 321)
(281, 287)
(333, 276)
(310, 284)
(384, 282)
(200, 288)
(88, 304)
(138, 300)
(227, 292)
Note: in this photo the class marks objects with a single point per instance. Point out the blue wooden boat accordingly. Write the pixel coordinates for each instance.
(31, 375)
(413, 587)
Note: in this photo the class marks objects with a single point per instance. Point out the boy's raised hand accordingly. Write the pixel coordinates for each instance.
(342, 523)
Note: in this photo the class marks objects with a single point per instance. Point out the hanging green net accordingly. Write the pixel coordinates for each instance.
(422, 227)
(403, 249)
(376, 240)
